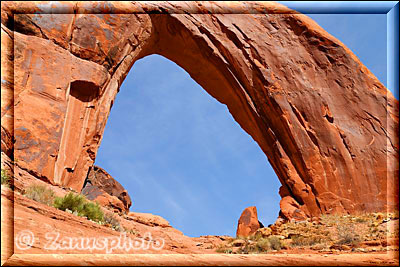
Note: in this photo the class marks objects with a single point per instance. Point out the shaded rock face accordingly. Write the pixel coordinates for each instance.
(248, 222)
(6, 142)
(102, 187)
(328, 127)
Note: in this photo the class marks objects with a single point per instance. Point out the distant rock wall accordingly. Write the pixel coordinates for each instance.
(328, 127)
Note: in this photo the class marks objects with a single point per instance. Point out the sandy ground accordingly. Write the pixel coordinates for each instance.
(39, 219)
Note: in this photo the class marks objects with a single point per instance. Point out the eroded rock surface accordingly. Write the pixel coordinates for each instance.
(148, 219)
(100, 186)
(327, 125)
(248, 222)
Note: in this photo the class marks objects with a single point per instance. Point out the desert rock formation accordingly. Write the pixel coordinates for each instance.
(102, 187)
(148, 219)
(248, 222)
(327, 125)
(25, 214)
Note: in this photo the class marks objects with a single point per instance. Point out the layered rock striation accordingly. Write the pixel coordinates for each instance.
(327, 125)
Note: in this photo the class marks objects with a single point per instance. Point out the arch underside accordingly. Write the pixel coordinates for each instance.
(328, 127)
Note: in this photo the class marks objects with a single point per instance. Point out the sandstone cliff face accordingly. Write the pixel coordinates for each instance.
(328, 127)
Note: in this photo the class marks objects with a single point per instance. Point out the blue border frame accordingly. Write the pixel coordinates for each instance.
(390, 8)
(340, 7)
(393, 49)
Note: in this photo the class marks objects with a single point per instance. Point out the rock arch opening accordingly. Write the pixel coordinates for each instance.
(327, 125)
(179, 153)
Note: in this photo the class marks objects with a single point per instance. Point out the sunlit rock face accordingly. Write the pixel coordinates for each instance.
(328, 127)
(248, 222)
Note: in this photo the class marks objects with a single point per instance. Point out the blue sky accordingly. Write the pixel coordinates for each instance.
(180, 154)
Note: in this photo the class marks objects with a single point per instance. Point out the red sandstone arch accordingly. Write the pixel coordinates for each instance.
(327, 125)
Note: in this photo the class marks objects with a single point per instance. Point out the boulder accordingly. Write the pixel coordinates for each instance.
(248, 222)
(238, 243)
(263, 233)
(102, 187)
(148, 219)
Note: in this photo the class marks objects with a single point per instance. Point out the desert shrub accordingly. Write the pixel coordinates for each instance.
(346, 235)
(5, 178)
(261, 233)
(263, 245)
(306, 241)
(132, 232)
(275, 242)
(360, 220)
(78, 203)
(224, 250)
(330, 219)
(256, 237)
(40, 193)
(299, 241)
(248, 248)
(255, 248)
(70, 201)
(93, 212)
(110, 219)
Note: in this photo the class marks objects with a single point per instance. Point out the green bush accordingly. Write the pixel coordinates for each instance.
(5, 179)
(40, 193)
(79, 204)
(70, 201)
(93, 212)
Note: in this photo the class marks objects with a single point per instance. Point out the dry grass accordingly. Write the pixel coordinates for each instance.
(5, 178)
(251, 245)
(223, 249)
(132, 232)
(310, 241)
(40, 193)
(330, 232)
(346, 235)
(113, 222)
